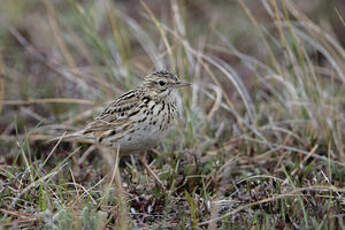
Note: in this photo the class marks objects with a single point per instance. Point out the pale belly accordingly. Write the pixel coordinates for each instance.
(141, 140)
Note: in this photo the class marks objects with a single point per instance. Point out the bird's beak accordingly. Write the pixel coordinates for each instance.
(181, 84)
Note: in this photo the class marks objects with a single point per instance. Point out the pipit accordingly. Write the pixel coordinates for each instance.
(137, 120)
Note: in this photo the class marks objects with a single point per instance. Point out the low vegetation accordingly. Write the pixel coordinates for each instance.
(261, 143)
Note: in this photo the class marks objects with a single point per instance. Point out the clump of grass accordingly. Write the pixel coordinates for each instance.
(261, 145)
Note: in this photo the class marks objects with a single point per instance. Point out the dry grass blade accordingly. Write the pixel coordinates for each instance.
(48, 176)
(2, 83)
(24, 217)
(124, 219)
(162, 33)
(49, 100)
(293, 193)
(217, 102)
(61, 42)
(341, 18)
(254, 21)
(146, 42)
(53, 150)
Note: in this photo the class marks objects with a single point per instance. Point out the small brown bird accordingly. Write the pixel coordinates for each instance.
(137, 120)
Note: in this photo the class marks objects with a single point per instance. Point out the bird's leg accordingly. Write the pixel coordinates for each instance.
(150, 171)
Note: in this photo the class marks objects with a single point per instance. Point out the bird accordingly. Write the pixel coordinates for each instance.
(136, 121)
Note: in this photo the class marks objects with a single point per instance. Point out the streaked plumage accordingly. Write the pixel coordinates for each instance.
(138, 119)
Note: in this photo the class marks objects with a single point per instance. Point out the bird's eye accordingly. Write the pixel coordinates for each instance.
(161, 83)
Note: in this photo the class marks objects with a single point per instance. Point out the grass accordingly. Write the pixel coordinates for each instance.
(262, 141)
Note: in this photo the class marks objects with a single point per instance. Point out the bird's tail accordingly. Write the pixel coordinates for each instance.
(78, 136)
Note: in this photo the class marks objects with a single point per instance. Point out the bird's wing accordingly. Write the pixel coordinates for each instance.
(116, 118)
(115, 121)
(120, 107)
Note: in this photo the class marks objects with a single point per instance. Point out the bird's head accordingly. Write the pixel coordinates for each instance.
(162, 83)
